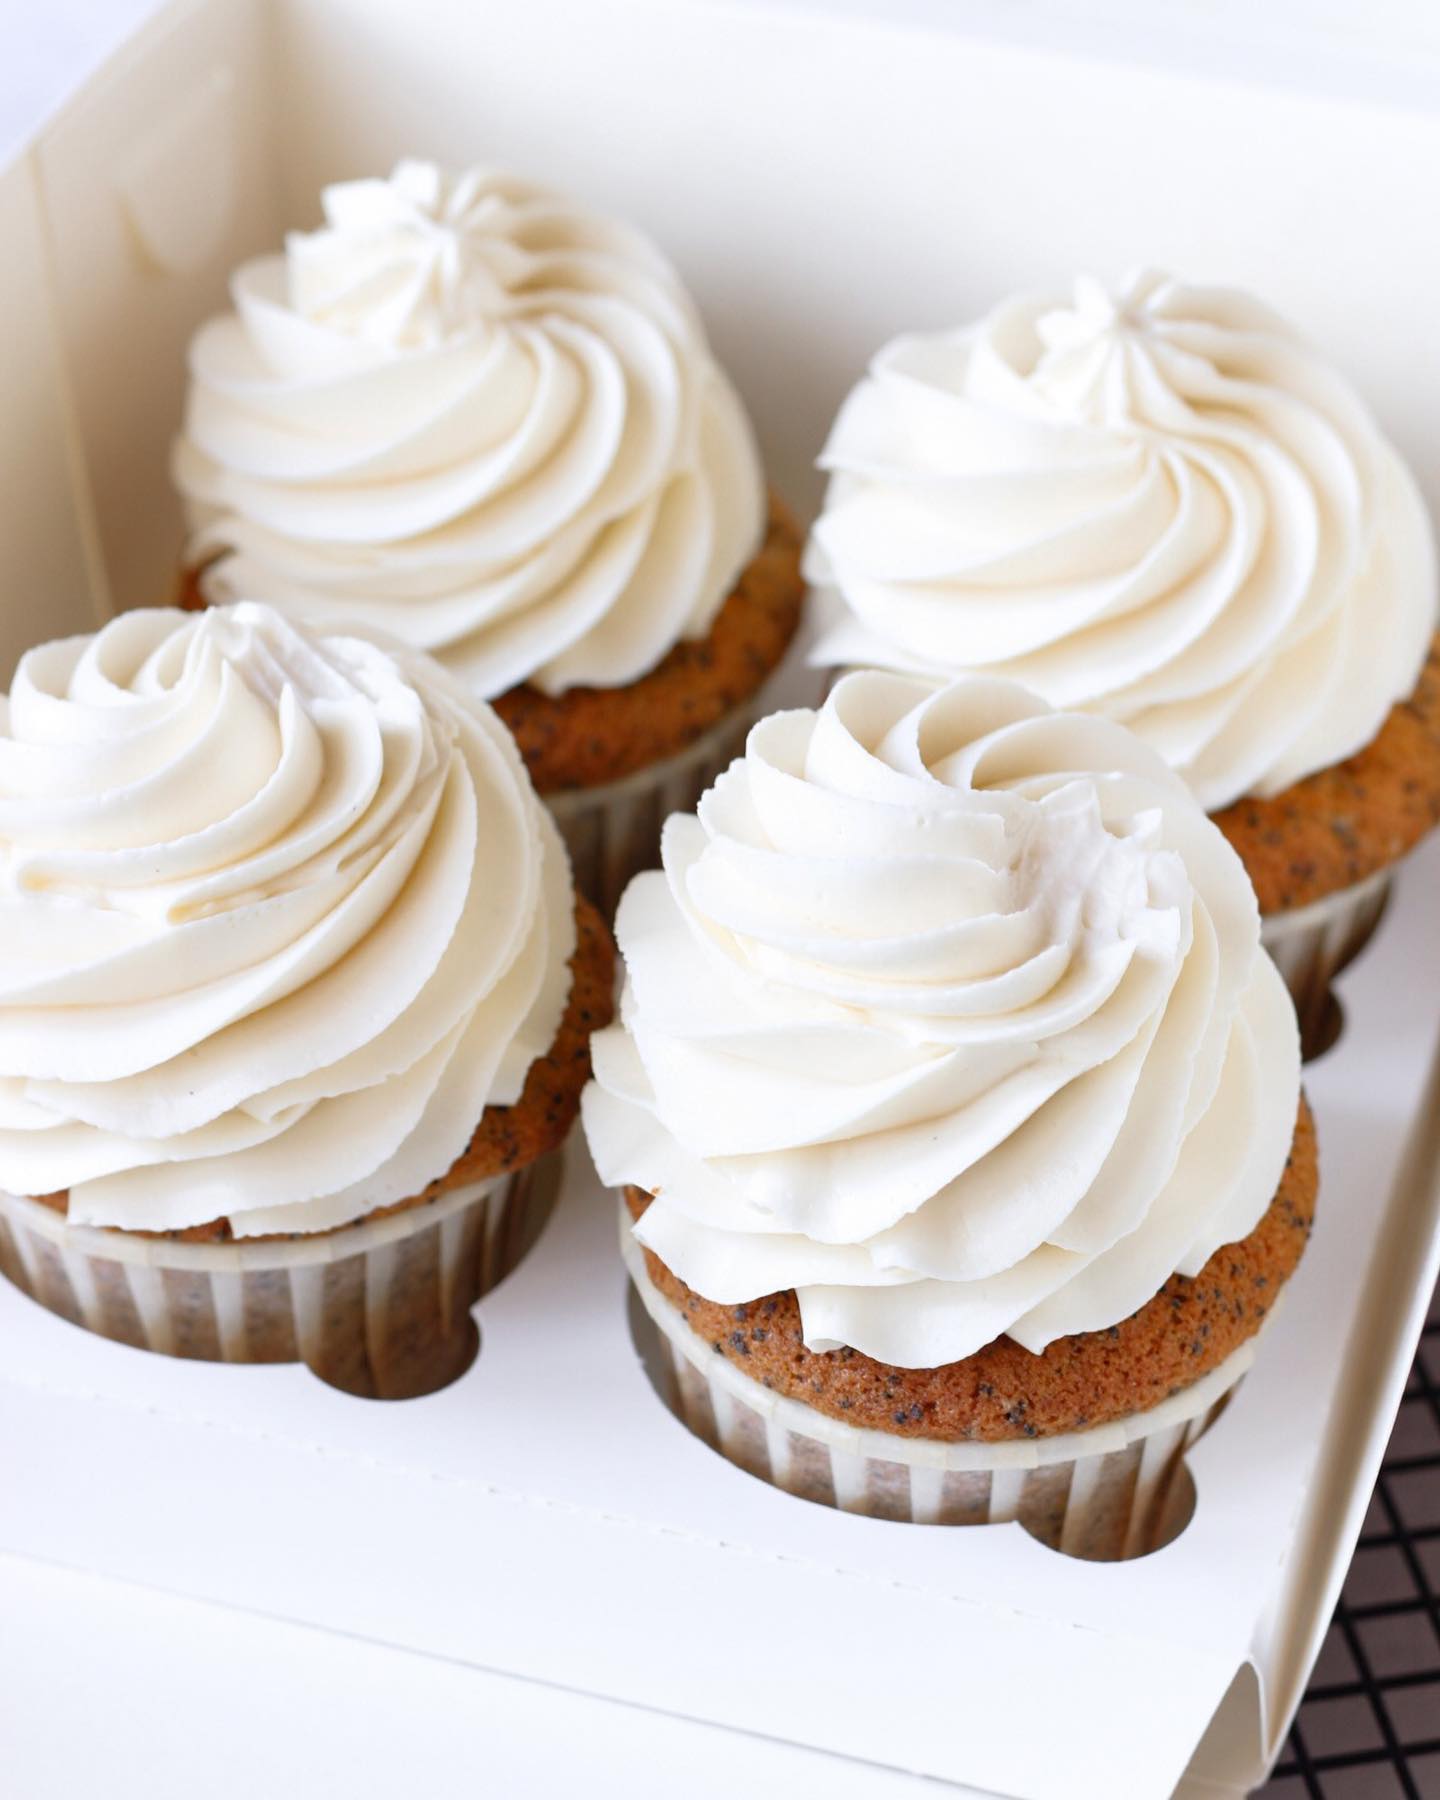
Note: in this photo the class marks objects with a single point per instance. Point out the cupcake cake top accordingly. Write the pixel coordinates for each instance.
(282, 916)
(948, 1012)
(1157, 504)
(476, 415)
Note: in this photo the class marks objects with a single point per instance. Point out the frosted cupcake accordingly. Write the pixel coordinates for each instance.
(957, 1110)
(295, 996)
(1161, 506)
(475, 415)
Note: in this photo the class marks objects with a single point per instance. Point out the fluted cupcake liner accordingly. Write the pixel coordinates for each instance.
(380, 1308)
(613, 832)
(1105, 1494)
(1312, 944)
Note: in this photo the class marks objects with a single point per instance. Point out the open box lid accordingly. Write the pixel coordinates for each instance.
(761, 145)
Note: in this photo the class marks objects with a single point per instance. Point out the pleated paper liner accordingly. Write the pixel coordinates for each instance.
(1105, 1494)
(380, 1308)
(1312, 944)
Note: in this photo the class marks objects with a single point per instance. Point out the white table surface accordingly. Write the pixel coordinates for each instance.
(130, 1692)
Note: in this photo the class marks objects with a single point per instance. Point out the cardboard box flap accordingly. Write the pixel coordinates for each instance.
(52, 575)
(177, 186)
(155, 180)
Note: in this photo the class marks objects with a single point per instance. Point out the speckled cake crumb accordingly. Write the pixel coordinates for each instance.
(1004, 1391)
(1343, 824)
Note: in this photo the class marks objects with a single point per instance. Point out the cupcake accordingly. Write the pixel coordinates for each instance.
(1163, 507)
(956, 1112)
(296, 996)
(477, 416)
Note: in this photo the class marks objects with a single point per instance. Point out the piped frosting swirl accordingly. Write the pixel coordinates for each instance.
(1158, 504)
(472, 414)
(281, 916)
(948, 1012)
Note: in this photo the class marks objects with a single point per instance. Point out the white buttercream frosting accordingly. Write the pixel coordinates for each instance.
(280, 915)
(475, 415)
(1158, 504)
(949, 1012)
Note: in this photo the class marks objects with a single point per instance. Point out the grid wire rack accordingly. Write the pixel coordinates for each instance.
(1369, 1725)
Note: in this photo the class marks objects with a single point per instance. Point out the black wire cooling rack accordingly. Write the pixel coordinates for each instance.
(1369, 1726)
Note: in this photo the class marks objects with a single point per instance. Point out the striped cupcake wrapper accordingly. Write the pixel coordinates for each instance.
(380, 1308)
(1312, 944)
(613, 832)
(1106, 1494)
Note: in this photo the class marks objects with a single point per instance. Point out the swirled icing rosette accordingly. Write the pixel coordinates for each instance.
(948, 1012)
(281, 916)
(1157, 504)
(471, 413)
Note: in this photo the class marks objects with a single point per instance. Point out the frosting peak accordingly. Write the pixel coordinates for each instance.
(949, 1012)
(470, 413)
(1155, 503)
(409, 261)
(282, 916)
(1087, 365)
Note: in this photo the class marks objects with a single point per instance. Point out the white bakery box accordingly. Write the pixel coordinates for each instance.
(824, 178)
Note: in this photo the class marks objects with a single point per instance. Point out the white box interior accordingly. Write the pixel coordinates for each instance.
(822, 184)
